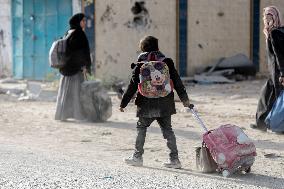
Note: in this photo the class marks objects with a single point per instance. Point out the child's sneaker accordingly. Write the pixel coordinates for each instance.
(175, 164)
(134, 161)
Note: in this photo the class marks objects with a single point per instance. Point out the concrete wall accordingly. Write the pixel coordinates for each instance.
(5, 39)
(118, 31)
(265, 3)
(217, 28)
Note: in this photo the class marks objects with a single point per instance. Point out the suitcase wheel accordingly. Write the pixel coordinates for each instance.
(226, 173)
(248, 170)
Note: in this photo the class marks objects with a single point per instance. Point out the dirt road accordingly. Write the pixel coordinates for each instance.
(39, 152)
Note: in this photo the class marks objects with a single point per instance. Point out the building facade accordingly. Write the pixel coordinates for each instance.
(193, 33)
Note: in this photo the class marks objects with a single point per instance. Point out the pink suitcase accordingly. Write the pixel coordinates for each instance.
(230, 148)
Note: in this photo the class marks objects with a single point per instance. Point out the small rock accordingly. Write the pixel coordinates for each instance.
(187, 125)
(234, 97)
(3, 91)
(154, 150)
(86, 140)
(272, 155)
(106, 133)
(107, 177)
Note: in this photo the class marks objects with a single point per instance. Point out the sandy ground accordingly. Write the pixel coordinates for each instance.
(38, 152)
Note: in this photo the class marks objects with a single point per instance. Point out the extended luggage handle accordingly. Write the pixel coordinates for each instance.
(197, 118)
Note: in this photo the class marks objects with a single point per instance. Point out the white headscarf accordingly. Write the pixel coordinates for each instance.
(274, 23)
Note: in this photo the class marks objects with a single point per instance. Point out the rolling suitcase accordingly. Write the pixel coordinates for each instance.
(229, 147)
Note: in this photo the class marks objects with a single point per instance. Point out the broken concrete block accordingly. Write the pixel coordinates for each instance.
(47, 95)
(14, 91)
(3, 91)
(8, 80)
(34, 88)
(209, 79)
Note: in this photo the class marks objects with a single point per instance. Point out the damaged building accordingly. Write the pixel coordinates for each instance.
(193, 33)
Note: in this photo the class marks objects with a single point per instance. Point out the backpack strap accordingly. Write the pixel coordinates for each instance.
(134, 65)
(152, 56)
(69, 33)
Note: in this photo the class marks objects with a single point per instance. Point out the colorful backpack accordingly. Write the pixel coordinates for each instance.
(154, 78)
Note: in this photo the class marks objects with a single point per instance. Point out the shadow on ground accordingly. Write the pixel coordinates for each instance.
(262, 144)
(248, 179)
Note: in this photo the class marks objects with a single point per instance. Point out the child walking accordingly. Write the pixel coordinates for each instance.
(155, 77)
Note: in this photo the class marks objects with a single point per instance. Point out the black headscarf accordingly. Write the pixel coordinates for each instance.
(75, 20)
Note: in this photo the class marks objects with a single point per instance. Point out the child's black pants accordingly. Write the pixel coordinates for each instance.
(166, 127)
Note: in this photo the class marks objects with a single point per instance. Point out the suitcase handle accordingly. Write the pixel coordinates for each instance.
(198, 119)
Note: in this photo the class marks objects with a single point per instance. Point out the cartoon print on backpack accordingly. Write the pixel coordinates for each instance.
(155, 80)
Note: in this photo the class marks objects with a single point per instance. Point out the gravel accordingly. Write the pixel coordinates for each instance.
(23, 168)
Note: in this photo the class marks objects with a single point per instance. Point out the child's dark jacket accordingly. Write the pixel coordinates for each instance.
(154, 107)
